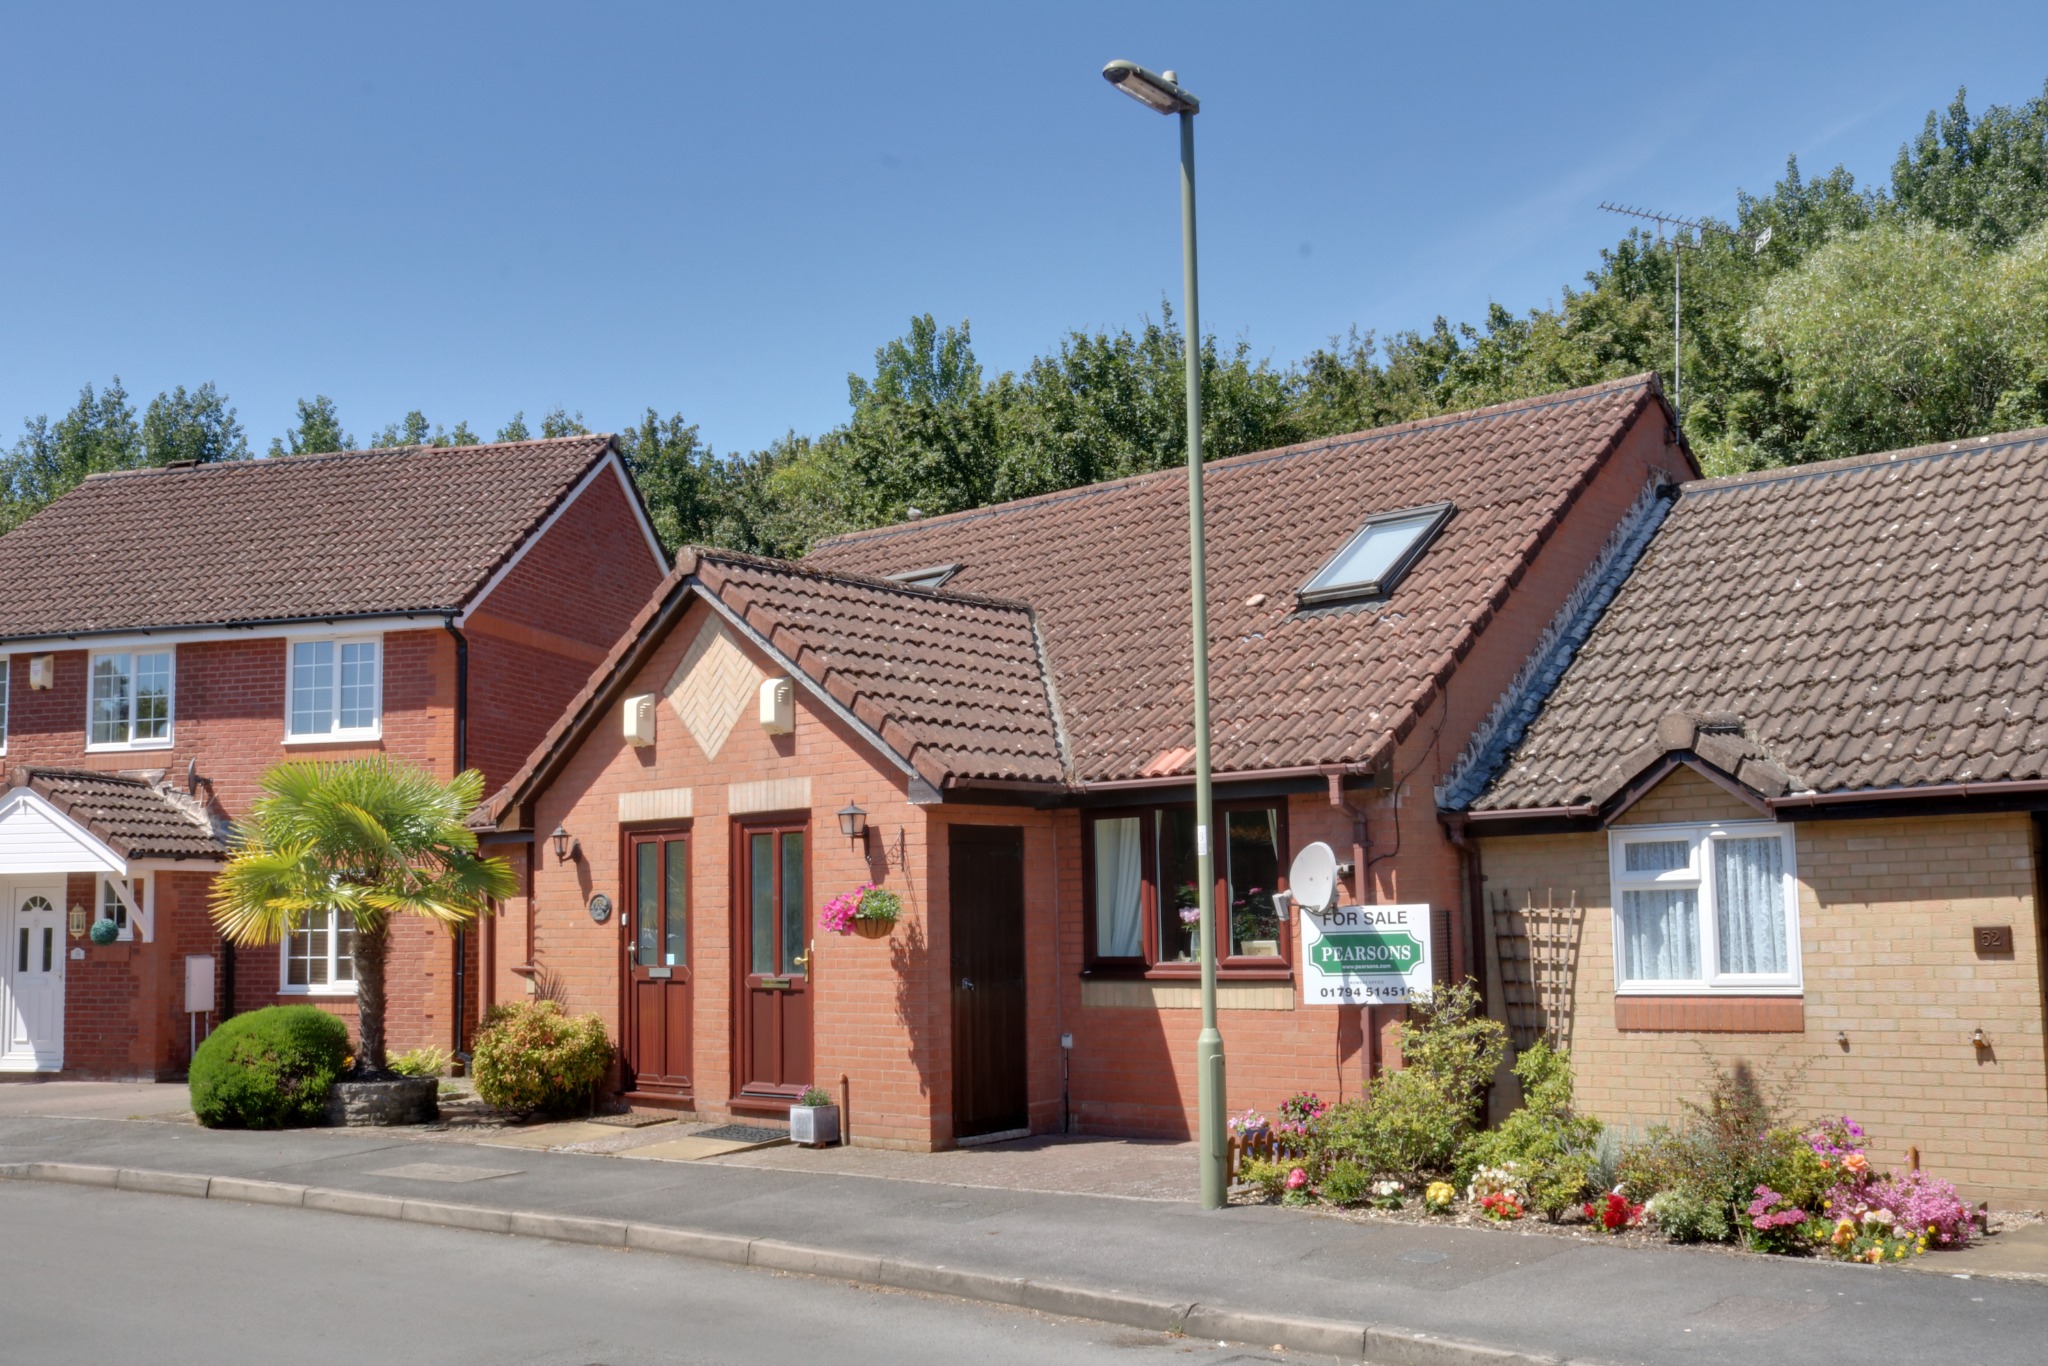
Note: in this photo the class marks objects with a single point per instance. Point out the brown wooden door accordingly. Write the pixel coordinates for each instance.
(773, 954)
(658, 1035)
(990, 1088)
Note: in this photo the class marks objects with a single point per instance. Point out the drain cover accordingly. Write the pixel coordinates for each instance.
(634, 1119)
(742, 1133)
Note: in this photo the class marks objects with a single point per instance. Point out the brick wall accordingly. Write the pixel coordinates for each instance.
(124, 1003)
(1886, 909)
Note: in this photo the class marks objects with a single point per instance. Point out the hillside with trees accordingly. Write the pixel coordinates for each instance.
(1872, 317)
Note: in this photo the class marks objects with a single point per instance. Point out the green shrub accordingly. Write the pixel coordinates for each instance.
(530, 1057)
(1412, 1122)
(1686, 1217)
(1558, 1149)
(420, 1062)
(1346, 1183)
(268, 1069)
(1269, 1177)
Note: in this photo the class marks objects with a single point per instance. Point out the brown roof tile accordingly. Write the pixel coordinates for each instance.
(132, 816)
(357, 533)
(1105, 570)
(1875, 622)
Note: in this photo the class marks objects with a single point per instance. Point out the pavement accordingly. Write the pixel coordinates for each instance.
(861, 1215)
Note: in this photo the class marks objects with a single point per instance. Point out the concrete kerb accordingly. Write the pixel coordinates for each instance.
(1328, 1337)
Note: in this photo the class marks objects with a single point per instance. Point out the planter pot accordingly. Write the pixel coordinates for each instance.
(872, 929)
(814, 1126)
(402, 1100)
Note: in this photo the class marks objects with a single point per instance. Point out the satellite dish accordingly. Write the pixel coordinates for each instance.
(1313, 877)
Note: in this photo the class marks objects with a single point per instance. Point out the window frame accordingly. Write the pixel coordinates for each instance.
(1149, 964)
(6, 695)
(140, 888)
(335, 735)
(1698, 875)
(933, 576)
(1308, 595)
(169, 738)
(330, 987)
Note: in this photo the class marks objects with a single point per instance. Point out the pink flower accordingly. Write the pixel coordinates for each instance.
(1296, 1179)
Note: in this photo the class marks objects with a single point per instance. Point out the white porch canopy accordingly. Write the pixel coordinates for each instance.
(35, 837)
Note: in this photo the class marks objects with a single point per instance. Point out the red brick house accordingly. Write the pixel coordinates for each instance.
(1785, 809)
(1000, 697)
(168, 635)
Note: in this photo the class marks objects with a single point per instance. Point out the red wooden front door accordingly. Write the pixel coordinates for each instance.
(658, 962)
(773, 954)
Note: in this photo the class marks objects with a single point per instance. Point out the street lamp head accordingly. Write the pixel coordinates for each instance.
(1161, 93)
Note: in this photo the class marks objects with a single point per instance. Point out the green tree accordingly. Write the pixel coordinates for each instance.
(678, 476)
(98, 434)
(370, 839)
(515, 430)
(318, 430)
(1986, 178)
(562, 423)
(199, 426)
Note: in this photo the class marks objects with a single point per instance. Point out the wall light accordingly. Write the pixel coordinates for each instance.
(853, 822)
(564, 844)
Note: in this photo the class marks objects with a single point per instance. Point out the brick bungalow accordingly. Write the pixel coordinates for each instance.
(1002, 695)
(167, 635)
(1785, 809)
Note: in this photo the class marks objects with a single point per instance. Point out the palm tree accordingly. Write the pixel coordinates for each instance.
(367, 838)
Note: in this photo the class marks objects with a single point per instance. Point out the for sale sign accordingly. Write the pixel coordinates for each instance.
(1365, 955)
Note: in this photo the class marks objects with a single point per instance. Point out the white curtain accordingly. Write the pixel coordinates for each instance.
(1749, 905)
(1119, 870)
(1660, 936)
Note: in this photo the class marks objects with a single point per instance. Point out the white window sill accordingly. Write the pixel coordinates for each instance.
(129, 748)
(347, 992)
(347, 737)
(1775, 988)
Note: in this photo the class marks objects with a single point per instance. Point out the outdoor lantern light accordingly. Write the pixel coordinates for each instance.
(561, 843)
(853, 822)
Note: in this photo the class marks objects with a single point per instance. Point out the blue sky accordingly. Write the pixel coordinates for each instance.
(721, 210)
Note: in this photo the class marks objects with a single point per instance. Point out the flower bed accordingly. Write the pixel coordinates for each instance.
(1731, 1172)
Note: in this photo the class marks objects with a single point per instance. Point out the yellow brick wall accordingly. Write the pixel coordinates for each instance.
(1886, 909)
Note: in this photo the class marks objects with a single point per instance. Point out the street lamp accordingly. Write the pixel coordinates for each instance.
(1164, 94)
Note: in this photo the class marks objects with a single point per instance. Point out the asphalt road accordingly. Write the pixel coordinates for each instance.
(99, 1276)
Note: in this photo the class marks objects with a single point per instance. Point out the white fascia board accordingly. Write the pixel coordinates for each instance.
(92, 854)
(617, 468)
(311, 628)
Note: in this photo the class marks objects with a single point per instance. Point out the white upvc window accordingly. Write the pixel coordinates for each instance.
(114, 909)
(129, 700)
(319, 955)
(6, 667)
(1700, 908)
(334, 689)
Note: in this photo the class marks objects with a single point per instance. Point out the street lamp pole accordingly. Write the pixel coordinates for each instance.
(1163, 93)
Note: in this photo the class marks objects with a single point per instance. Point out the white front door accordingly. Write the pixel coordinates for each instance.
(32, 979)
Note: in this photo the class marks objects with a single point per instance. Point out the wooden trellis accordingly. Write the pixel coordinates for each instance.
(1536, 943)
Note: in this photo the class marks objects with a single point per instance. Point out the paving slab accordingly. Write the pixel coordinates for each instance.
(2018, 1252)
(692, 1149)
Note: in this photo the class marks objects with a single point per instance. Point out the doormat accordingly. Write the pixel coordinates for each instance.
(636, 1119)
(742, 1133)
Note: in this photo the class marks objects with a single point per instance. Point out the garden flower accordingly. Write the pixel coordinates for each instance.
(1845, 1233)
(1439, 1195)
(1883, 1218)
(1856, 1162)
(1296, 1179)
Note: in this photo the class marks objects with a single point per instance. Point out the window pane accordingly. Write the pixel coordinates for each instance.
(358, 686)
(792, 900)
(1119, 885)
(1252, 843)
(676, 913)
(153, 697)
(646, 904)
(1180, 929)
(761, 889)
(1660, 936)
(110, 700)
(1368, 558)
(110, 903)
(1656, 856)
(313, 687)
(344, 946)
(1749, 905)
(6, 665)
(306, 959)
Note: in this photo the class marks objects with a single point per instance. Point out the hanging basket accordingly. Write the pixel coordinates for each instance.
(872, 927)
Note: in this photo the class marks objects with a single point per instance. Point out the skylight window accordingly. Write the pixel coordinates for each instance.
(1374, 560)
(933, 577)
